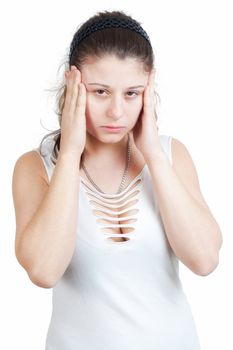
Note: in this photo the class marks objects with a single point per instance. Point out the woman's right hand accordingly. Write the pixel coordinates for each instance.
(73, 121)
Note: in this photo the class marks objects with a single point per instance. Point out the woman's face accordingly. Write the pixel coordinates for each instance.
(114, 95)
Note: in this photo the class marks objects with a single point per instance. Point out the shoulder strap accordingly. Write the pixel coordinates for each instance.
(45, 155)
(165, 141)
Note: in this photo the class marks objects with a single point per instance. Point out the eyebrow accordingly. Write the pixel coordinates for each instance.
(107, 86)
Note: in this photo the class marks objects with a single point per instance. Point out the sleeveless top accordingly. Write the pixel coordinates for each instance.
(120, 295)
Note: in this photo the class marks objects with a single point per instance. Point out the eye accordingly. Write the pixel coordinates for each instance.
(133, 92)
(99, 92)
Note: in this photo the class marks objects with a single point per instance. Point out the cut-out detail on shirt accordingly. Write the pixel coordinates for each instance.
(115, 213)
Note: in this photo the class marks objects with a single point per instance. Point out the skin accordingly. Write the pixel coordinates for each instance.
(46, 212)
(118, 105)
(175, 187)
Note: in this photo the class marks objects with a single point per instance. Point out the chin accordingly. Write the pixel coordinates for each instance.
(109, 137)
(112, 138)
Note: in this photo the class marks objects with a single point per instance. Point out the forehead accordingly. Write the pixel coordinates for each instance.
(111, 69)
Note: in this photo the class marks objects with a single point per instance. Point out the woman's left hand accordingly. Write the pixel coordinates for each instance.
(145, 131)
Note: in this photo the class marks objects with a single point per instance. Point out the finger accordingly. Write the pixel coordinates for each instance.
(152, 88)
(72, 81)
(75, 80)
(75, 89)
(149, 91)
(151, 81)
(81, 101)
(147, 103)
(69, 84)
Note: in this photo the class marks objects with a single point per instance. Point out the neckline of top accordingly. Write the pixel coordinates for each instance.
(114, 194)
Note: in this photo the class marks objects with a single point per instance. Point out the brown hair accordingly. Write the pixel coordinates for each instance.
(119, 41)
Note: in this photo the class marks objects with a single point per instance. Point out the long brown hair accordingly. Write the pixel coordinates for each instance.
(121, 42)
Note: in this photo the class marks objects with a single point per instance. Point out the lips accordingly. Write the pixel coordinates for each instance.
(113, 126)
(113, 129)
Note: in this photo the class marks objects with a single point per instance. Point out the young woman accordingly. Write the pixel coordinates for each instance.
(106, 207)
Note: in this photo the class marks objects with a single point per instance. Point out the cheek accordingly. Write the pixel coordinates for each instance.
(137, 107)
(92, 103)
(139, 102)
(94, 112)
(91, 107)
(89, 112)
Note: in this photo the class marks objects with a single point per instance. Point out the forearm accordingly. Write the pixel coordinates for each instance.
(191, 230)
(48, 241)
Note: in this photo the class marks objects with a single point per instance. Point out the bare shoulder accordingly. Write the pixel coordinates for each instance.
(29, 186)
(184, 167)
(181, 157)
(30, 163)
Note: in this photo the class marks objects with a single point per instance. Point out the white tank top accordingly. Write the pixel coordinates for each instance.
(120, 295)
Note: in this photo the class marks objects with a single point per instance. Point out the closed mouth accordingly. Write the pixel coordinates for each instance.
(112, 127)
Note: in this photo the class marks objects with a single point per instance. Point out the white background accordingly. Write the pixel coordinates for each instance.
(192, 41)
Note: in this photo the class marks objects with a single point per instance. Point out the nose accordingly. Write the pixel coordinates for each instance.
(116, 109)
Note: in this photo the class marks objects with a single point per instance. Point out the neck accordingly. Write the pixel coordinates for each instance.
(105, 151)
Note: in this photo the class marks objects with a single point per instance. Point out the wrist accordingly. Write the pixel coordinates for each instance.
(157, 158)
(70, 156)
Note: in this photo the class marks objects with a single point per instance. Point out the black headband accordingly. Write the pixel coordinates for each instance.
(113, 22)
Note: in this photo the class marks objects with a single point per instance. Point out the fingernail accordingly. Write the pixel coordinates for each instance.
(73, 67)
